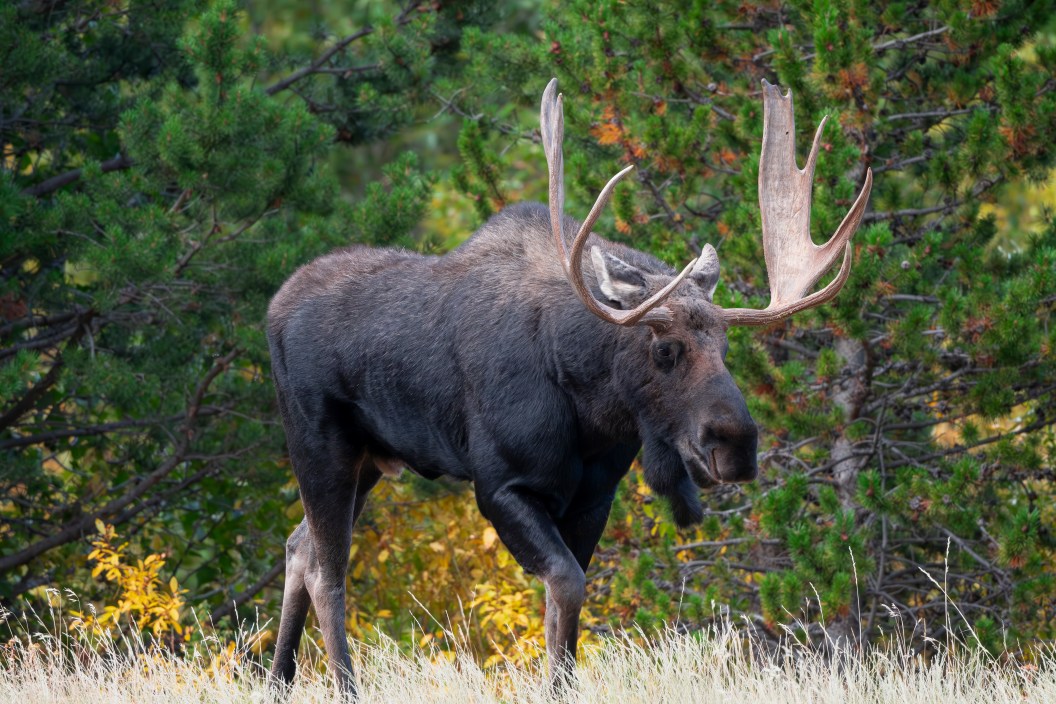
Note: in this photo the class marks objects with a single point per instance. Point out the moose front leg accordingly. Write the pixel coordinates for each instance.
(532, 536)
(581, 532)
(584, 521)
(581, 529)
(565, 592)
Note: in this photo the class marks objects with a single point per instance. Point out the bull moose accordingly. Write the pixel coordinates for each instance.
(513, 363)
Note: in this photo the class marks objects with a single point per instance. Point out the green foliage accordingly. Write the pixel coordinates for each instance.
(391, 210)
(478, 176)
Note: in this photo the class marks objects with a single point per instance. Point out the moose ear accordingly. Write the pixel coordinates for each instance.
(618, 280)
(705, 272)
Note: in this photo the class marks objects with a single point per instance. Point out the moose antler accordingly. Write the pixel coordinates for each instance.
(552, 128)
(793, 262)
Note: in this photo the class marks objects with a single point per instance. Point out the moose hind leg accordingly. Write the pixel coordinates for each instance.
(329, 473)
(295, 603)
(302, 566)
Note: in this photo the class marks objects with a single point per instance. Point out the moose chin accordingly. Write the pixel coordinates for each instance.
(536, 368)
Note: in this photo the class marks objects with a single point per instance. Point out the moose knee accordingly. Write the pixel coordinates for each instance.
(297, 538)
(567, 587)
(298, 548)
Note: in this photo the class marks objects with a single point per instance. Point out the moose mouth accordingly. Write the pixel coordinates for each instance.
(702, 466)
(718, 463)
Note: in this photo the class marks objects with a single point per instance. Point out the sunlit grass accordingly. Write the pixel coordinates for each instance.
(718, 665)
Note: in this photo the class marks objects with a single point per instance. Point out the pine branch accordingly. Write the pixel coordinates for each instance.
(199, 245)
(248, 593)
(42, 341)
(118, 163)
(75, 529)
(316, 65)
(38, 321)
(981, 187)
(902, 43)
(961, 449)
(319, 65)
(22, 406)
(102, 429)
(935, 113)
(724, 543)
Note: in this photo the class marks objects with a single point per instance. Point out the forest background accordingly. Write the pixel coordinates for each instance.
(166, 165)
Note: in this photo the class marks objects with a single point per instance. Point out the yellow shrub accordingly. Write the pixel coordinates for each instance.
(148, 603)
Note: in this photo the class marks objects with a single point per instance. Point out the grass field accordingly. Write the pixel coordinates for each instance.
(718, 666)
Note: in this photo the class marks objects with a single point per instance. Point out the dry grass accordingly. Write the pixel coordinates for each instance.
(719, 666)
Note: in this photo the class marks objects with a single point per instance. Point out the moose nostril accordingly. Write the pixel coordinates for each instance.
(735, 462)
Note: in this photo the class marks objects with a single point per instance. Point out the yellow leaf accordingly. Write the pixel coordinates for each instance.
(383, 556)
(80, 274)
(490, 536)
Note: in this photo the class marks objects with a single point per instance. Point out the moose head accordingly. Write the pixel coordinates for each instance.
(693, 418)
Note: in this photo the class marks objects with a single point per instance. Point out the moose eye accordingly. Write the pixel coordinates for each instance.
(665, 354)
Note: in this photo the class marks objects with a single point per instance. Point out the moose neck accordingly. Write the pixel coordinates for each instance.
(599, 364)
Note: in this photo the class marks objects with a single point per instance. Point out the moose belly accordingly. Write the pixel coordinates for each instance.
(409, 440)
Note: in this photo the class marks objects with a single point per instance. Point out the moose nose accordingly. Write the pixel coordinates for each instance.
(729, 436)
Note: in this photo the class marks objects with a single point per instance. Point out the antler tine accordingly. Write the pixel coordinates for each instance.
(552, 133)
(793, 262)
(552, 127)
